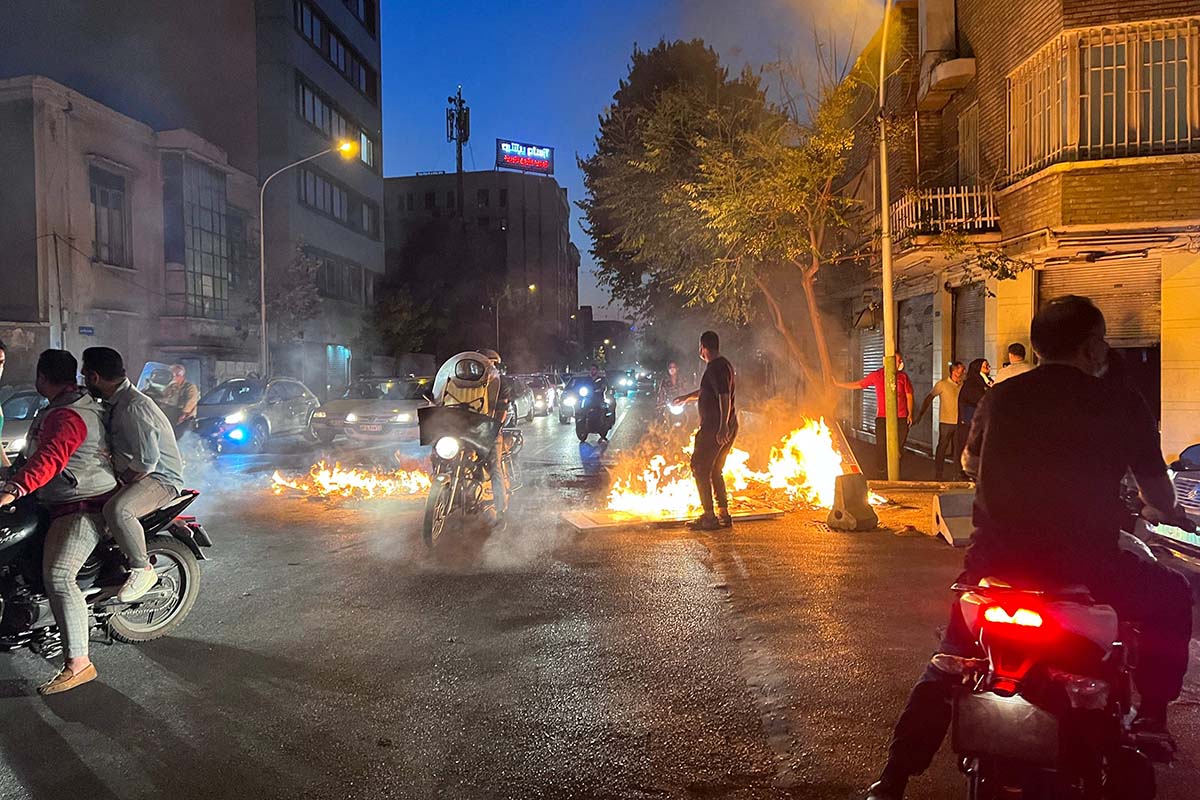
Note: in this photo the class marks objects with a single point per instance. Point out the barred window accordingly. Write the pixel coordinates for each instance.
(1107, 92)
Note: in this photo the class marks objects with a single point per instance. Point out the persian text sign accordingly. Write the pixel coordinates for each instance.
(525, 157)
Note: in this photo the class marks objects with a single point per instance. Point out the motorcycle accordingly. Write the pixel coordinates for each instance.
(594, 414)
(1046, 712)
(463, 442)
(174, 543)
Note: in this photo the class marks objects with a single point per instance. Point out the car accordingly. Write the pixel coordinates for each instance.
(249, 412)
(522, 398)
(544, 394)
(372, 407)
(646, 384)
(625, 384)
(20, 407)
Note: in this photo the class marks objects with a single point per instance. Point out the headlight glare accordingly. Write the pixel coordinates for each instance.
(318, 414)
(569, 400)
(235, 418)
(352, 417)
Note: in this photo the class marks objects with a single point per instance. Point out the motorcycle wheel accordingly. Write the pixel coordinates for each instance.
(179, 572)
(437, 510)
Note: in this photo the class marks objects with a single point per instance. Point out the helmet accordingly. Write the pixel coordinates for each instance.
(469, 369)
(492, 355)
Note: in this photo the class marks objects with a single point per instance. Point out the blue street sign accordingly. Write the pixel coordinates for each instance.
(87, 330)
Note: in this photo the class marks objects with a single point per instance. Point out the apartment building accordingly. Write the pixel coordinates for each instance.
(1063, 136)
(522, 223)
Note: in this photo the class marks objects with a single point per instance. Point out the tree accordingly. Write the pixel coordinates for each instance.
(294, 299)
(397, 323)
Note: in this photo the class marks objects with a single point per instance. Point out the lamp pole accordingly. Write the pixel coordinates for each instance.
(263, 352)
(891, 405)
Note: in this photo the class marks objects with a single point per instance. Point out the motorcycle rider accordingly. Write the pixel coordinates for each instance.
(70, 469)
(472, 378)
(598, 385)
(670, 386)
(1050, 452)
(145, 457)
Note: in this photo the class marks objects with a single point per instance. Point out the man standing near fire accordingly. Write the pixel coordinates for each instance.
(718, 429)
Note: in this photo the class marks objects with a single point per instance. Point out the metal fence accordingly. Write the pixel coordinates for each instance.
(969, 209)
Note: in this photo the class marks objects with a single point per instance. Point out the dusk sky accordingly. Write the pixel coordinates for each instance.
(542, 72)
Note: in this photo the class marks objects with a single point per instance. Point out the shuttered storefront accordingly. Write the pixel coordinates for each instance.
(968, 322)
(870, 358)
(915, 342)
(1128, 292)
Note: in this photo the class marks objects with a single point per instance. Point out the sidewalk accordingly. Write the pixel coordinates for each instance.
(915, 466)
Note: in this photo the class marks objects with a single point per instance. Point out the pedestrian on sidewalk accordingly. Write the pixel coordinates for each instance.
(1017, 365)
(904, 406)
(718, 428)
(946, 390)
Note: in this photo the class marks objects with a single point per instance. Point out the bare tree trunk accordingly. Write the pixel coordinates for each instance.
(809, 282)
(789, 338)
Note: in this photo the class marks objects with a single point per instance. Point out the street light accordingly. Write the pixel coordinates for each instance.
(346, 148)
(531, 287)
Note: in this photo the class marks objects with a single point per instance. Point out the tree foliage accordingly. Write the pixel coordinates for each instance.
(294, 298)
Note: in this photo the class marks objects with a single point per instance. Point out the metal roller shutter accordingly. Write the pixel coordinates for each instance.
(915, 341)
(968, 322)
(1128, 292)
(870, 358)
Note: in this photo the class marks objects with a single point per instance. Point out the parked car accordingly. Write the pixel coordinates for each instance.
(522, 398)
(544, 394)
(372, 408)
(20, 407)
(248, 412)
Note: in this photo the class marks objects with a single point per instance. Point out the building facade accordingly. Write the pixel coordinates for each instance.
(1055, 150)
(525, 222)
(120, 235)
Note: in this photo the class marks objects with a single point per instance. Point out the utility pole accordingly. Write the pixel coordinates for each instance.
(458, 130)
(889, 300)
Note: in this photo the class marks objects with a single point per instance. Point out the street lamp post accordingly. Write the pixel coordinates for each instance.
(532, 288)
(891, 404)
(346, 149)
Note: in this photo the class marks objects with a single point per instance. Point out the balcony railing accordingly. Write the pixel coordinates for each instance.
(966, 209)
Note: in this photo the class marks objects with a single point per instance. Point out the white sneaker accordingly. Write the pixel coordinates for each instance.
(137, 584)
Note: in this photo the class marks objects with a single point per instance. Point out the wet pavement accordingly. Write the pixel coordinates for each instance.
(332, 656)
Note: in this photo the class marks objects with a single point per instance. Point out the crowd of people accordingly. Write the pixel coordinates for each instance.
(98, 457)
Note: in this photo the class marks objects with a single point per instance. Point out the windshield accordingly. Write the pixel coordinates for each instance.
(23, 406)
(236, 391)
(537, 383)
(391, 390)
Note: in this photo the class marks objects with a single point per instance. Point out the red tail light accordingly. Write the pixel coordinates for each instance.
(1024, 617)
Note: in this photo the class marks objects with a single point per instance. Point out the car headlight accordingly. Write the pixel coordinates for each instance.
(352, 417)
(569, 400)
(539, 402)
(17, 445)
(447, 447)
(402, 418)
(235, 418)
(320, 414)
(583, 391)
(675, 409)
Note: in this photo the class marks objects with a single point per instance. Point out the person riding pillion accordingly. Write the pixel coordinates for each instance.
(145, 457)
(69, 469)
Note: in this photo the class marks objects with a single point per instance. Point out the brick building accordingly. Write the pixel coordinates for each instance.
(1064, 135)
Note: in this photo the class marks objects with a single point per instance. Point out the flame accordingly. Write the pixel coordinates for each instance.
(339, 482)
(802, 469)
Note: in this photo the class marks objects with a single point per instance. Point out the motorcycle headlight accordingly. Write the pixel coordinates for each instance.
(675, 409)
(583, 391)
(403, 418)
(235, 418)
(352, 417)
(569, 400)
(320, 414)
(447, 447)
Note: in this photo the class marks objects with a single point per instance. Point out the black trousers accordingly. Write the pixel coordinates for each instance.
(708, 464)
(948, 447)
(1156, 598)
(881, 445)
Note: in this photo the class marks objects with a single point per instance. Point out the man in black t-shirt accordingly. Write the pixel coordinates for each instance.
(1050, 449)
(718, 428)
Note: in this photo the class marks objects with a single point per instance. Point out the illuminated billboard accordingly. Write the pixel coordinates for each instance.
(524, 157)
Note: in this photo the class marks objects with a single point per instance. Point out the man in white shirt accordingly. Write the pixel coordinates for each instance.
(947, 390)
(1016, 363)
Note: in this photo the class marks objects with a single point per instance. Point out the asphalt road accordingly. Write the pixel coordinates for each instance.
(332, 656)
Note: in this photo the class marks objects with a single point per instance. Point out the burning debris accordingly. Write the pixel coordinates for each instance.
(801, 471)
(338, 482)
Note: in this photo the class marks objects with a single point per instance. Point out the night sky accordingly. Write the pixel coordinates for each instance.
(542, 72)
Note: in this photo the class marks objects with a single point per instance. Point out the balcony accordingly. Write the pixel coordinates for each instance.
(929, 212)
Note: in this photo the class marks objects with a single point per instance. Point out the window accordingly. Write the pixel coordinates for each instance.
(321, 113)
(322, 194)
(199, 285)
(338, 280)
(364, 11)
(110, 243)
(504, 198)
(1106, 92)
(366, 149)
(332, 45)
(370, 219)
(337, 53)
(481, 198)
(309, 24)
(968, 146)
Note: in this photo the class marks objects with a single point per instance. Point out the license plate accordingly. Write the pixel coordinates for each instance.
(1011, 728)
(370, 428)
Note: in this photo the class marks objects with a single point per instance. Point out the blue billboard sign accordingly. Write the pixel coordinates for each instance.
(524, 157)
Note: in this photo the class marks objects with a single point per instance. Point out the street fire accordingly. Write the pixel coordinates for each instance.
(337, 481)
(801, 470)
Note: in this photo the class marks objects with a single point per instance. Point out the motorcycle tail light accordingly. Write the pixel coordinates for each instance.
(1085, 693)
(1024, 617)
